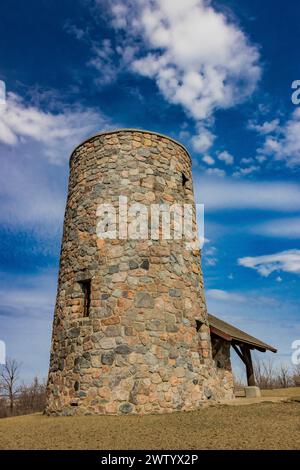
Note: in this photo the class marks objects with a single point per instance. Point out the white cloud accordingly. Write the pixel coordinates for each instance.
(266, 128)
(287, 261)
(26, 313)
(226, 296)
(216, 172)
(284, 143)
(247, 161)
(211, 250)
(248, 298)
(211, 261)
(103, 61)
(226, 157)
(2, 92)
(58, 133)
(246, 171)
(209, 255)
(202, 140)
(32, 190)
(110, 61)
(198, 57)
(74, 30)
(219, 194)
(279, 228)
(208, 160)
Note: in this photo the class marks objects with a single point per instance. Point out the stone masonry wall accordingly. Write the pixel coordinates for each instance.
(139, 350)
(221, 357)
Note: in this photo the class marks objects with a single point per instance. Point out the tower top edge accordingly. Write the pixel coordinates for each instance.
(120, 130)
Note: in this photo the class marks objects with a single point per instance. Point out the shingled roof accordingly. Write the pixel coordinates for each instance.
(233, 334)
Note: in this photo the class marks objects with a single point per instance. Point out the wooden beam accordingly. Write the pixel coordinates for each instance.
(220, 333)
(249, 366)
(244, 354)
(239, 353)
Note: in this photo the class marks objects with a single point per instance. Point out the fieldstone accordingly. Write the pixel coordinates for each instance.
(113, 269)
(119, 277)
(126, 408)
(82, 362)
(74, 332)
(133, 393)
(133, 264)
(174, 293)
(207, 392)
(144, 300)
(123, 349)
(143, 152)
(171, 328)
(113, 330)
(107, 343)
(96, 337)
(108, 358)
(145, 264)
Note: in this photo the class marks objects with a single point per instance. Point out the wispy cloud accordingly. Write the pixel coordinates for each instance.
(265, 128)
(245, 171)
(220, 194)
(286, 261)
(226, 157)
(57, 132)
(26, 313)
(220, 294)
(282, 140)
(279, 228)
(208, 160)
(216, 172)
(33, 142)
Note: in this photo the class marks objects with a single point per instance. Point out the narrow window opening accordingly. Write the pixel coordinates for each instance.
(198, 325)
(86, 289)
(184, 179)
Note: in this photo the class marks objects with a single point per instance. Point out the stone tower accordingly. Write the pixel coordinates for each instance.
(130, 331)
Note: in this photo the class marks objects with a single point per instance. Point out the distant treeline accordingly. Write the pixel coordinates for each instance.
(19, 399)
(268, 375)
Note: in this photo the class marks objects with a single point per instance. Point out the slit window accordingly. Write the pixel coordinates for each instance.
(184, 179)
(86, 289)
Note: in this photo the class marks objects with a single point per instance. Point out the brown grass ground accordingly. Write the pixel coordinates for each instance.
(281, 392)
(259, 426)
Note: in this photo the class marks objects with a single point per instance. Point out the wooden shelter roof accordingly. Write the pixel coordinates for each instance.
(233, 334)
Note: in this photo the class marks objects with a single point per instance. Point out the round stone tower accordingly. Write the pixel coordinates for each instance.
(130, 331)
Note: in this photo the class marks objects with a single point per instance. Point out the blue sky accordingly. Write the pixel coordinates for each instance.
(215, 75)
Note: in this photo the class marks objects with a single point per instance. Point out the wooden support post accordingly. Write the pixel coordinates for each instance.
(245, 355)
(249, 365)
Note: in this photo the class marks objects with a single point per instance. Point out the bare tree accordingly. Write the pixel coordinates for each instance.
(32, 397)
(9, 376)
(264, 373)
(284, 377)
(296, 375)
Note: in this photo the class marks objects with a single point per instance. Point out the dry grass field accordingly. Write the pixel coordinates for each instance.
(255, 426)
